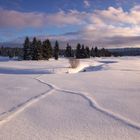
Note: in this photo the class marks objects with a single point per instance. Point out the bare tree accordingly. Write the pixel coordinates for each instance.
(74, 63)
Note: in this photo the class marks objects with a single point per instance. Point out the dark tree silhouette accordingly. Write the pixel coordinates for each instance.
(34, 49)
(78, 50)
(69, 51)
(56, 50)
(27, 49)
(39, 51)
(47, 49)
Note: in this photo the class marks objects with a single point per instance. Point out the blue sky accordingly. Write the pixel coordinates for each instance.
(69, 20)
(52, 6)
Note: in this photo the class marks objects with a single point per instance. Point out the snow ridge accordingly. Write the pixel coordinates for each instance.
(95, 105)
(14, 111)
(7, 116)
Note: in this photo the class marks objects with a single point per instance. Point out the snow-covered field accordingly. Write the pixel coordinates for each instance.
(47, 100)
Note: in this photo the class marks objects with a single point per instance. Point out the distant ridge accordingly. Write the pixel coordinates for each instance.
(11, 45)
(125, 51)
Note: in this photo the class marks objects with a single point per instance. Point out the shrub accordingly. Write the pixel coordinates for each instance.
(74, 63)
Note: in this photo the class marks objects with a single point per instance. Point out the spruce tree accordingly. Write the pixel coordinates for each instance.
(27, 49)
(34, 49)
(56, 50)
(78, 51)
(47, 49)
(92, 52)
(83, 52)
(39, 51)
(50, 49)
(96, 52)
(69, 51)
(87, 52)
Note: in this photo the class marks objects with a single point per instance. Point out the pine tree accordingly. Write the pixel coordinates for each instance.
(56, 50)
(27, 49)
(34, 49)
(50, 49)
(78, 51)
(39, 51)
(92, 53)
(69, 51)
(47, 49)
(96, 52)
(87, 52)
(83, 52)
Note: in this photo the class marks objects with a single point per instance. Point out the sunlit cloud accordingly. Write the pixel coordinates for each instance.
(100, 26)
(12, 18)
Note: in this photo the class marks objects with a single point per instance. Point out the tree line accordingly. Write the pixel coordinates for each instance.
(82, 51)
(11, 52)
(36, 49)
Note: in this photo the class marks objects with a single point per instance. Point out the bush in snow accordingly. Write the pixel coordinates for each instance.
(74, 63)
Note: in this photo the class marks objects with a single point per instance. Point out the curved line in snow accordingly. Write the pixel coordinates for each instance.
(14, 111)
(7, 116)
(95, 105)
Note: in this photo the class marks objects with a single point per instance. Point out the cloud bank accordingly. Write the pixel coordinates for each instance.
(16, 19)
(111, 27)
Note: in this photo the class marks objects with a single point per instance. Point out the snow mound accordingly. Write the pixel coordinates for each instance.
(48, 67)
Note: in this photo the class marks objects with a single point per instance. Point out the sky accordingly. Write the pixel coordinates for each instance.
(103, 23)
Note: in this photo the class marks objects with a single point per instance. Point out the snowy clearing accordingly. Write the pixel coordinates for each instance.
(48, 100)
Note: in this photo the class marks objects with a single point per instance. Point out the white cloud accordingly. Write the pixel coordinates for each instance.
(12, 18)
(114, 22)
(98, 26)
(115, 17)
(73, 17)
(86, 3)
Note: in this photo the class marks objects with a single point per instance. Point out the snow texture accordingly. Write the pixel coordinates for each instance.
(49, 100)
